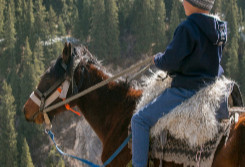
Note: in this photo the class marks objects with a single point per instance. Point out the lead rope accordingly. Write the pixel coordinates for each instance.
(50, 133)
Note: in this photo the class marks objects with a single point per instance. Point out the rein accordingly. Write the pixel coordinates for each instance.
(148, 61)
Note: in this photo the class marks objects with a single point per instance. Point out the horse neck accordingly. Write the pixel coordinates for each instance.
(109, 109)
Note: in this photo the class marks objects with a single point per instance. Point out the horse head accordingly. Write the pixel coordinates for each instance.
(63, 78)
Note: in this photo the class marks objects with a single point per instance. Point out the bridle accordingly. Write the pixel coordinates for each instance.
(58, 90)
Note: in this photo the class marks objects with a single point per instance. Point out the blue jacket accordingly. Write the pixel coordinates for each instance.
(194, 55)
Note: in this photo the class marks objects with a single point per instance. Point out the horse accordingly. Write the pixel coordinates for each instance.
(109, 109)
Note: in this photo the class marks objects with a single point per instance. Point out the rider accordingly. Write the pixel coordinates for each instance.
(192, 59)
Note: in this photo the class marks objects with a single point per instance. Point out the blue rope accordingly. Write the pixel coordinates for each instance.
(50, 133)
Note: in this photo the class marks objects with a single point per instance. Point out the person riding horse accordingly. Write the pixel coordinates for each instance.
(193, 60)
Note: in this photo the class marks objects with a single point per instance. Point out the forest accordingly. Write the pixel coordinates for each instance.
(118, 32)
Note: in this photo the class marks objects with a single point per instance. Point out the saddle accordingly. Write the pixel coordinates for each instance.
(191, 133)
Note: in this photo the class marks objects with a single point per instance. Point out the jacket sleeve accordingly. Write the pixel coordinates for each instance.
(180, 47)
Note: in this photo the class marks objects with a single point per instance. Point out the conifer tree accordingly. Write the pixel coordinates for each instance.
(54, 159)
(217, 8)
(168, 5)
(9, 28)
(19, 6)
(61, 27)
(241, 4)
(39, 23)
(112, 29)
(124, 15)
(82, 25)
(52, 21)
(174, 18)
(38, 59)
(231, 56)
(8, 149)
(98, 35)
(29, 22)
(142, 25)
(68, 14)
(86, 17)
(7, 59)
(159, 26)
(28, 80)
(26, 160)
(2, 7)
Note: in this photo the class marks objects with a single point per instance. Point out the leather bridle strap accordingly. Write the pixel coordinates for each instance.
(43, 102)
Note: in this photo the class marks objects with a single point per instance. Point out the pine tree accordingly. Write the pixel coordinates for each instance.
(159, 26)
(112, 30)
(8, 149)
(98, 35)
(28, 78)
(54, 159)
(38, 58)
(52, 21)
(82, 25)
(241, 4)
(124, 15)
(174, 18)
(168, 5)
(217, 8)
(2, 7)
(86, 17)
(29, 22)
(8, 59)
(9, 28)
(39, 23)
(68, 14)
(26, 160)
(61, 27)
(231, 55)
(142, 25)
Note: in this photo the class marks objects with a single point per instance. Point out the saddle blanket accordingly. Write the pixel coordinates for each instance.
(190, 133)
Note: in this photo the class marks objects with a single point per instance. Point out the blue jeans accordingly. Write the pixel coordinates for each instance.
(143, 120)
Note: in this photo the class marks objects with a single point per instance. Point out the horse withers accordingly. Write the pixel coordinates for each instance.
(109, 109)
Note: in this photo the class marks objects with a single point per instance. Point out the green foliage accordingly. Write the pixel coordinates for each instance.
(112, 30)
(8, 149)
(124, 15)
(159, 26)
(54, 159)
(52, 22)
(26, 160)
(174, 18)
(9, 28)
(217, 8)
(98, 32)
(61, 27)
(142, 25)
(28, 80)
(40, 30)
(82, 25)
(232, 46)
(38, 59)
(2, 6)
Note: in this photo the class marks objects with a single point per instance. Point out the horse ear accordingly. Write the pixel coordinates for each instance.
(66, 54)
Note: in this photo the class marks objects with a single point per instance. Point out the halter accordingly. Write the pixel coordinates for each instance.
(58, 90)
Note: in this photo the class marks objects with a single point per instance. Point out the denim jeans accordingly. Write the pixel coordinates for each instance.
(143, 120)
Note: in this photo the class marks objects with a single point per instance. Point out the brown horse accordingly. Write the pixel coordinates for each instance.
(109, 109)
